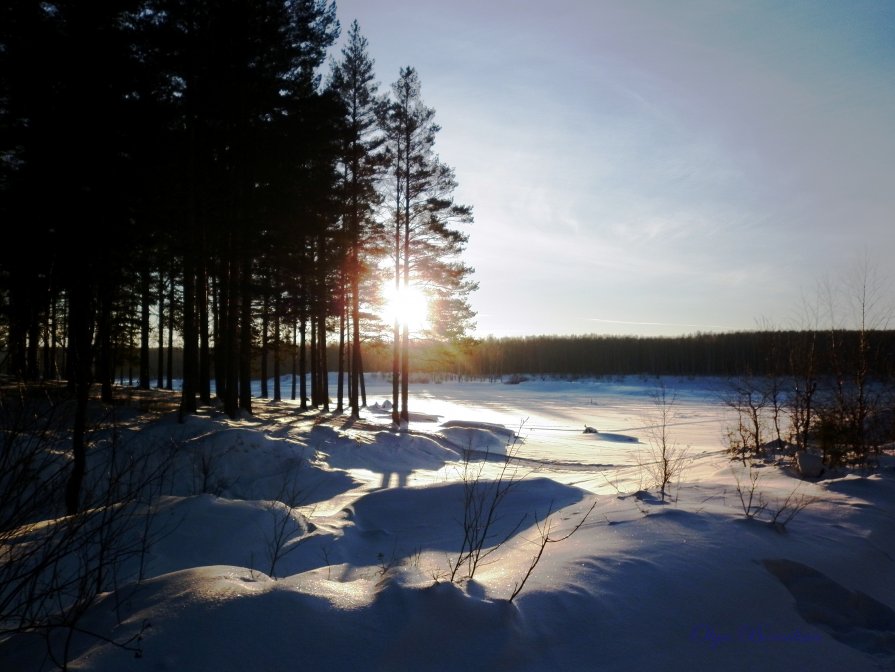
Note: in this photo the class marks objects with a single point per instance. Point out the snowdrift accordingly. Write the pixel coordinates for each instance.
(292, 541)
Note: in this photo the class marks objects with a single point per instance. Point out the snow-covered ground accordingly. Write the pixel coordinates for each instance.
(294, 541)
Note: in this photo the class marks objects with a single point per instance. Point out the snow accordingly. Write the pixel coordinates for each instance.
(370, 521)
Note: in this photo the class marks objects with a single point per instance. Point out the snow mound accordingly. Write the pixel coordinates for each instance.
(481, 437)
(208, 530)
(495, 428)
(400, 522)
(382, 452)
(386, 407)
(246, 463)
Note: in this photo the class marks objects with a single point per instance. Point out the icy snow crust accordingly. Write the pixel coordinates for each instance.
(374, 520)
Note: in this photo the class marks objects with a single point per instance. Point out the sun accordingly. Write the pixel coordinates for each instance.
(409, 305)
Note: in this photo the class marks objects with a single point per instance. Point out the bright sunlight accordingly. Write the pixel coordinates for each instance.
(409, 304)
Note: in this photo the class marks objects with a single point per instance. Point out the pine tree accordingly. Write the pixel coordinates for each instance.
(361, 164)
(425, 244)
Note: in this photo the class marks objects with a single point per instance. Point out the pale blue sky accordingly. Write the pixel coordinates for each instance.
(655, 167)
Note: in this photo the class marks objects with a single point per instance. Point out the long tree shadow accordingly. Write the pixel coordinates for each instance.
(851, 617)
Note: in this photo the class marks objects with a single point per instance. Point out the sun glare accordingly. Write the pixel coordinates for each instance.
(409, 304)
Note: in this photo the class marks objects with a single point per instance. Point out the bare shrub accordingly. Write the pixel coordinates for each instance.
(751, 499)
(52, 566)
(785, 510)
(756, 507)
(482, 499)
(285, 533)
(664, 461)
(545, 530)
(481, 511)
(752, 399)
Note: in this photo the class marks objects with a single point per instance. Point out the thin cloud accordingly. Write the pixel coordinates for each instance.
(656, 324)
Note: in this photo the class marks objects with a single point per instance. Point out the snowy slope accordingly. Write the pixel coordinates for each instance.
(373, 520)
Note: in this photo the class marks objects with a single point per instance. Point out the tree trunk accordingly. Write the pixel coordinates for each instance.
(355, 329)
(45, 353)
(52, 372)
(169, 382)
(145, 327)
(340, 394)
(160, 362)
(396, 331)
(405, 347)
(79, 340)
(265, 327)
(18, 335)
(294, 358)
(245, 339)
(33, 340)
(303, 360)
(105, 368)
(315, 365)
(190, 336)
(204, 345)
(277, 396)
(219, 311)
(229, 325)
(323, 369)
(359, 365)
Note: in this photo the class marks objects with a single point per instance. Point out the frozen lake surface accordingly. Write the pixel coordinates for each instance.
(550, 417)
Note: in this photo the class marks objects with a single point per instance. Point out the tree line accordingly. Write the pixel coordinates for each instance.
(732, 354)
(190, 176)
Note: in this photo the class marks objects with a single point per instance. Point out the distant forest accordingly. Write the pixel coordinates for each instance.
(723, 354)
(733, 354)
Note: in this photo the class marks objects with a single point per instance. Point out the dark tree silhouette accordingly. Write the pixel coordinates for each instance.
(361, 164)
(424, 242)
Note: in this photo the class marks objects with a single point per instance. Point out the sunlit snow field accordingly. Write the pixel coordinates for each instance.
(362, 574)
(549, 418)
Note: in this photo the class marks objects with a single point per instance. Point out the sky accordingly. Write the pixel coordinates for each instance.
(654, 167)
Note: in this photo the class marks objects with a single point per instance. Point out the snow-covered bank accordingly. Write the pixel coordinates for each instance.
(298, 542)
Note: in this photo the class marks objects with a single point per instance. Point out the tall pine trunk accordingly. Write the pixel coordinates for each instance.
(160, 362)
(265, 332)
(169, 382)
(245, 337)
(229, 324)
(218, 311)
(396, 331)
(33, 342)
(79, 357)
(340, 393)
(52, 370)
(359, 367)
(204, 344)
(315, 364)
(105, 367)
(303, 358)
(322, 367)
(277, 392)
(294, 358)
(355, 335)
(190, 336)
(145, 326)
(405, 346)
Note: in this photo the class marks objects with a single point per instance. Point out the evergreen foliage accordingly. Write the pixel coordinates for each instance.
(179, 172)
